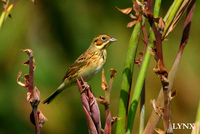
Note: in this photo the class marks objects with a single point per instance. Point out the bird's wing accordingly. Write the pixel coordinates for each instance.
(77, 65)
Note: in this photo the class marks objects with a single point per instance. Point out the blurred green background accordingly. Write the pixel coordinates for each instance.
(58, 32)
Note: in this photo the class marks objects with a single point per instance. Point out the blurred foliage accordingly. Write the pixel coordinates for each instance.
(58, 32)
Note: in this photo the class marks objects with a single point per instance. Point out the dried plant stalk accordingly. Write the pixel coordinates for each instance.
(33, 94)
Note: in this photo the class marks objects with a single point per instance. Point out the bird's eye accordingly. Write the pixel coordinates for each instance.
(103, 38)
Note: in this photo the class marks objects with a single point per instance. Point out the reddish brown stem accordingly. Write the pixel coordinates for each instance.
(187, 24)
(153, 120)
(149, 5)
(158, 43)
(30, 89)
(37, 127)
(161, 71)
(145, 38)
(34, 103)
(31, 73)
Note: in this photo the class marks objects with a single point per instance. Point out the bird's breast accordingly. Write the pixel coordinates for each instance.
(93, 67)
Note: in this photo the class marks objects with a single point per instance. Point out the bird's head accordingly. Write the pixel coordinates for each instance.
(101, 41)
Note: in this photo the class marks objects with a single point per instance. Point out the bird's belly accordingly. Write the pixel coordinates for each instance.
(89, 73)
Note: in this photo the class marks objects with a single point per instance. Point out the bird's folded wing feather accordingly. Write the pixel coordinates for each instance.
(76, 66)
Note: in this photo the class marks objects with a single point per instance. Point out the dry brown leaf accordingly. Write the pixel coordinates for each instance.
(132, 17)
(113, 72)
(161, 110)
(147, 14)
(139, 60)
(161, 25)
(139, 3)
(18, 79)
(36, 94)
(42, 118)
(125, 11)
(131, 24)
(115, 119)
(26, 77)
(101, 97)
(156, 19)
(102, 100)
(34, 97)
(104, 85)
(172, 95)
(157, 110)
(26, 62)
(34, 65)
(159, 131)
(161, 71)
(28, 51)
(153, 103)
(152, 51)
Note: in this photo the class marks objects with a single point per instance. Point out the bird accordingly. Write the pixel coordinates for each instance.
(87, 65)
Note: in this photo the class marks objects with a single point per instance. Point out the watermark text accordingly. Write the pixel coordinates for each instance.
(183, 125)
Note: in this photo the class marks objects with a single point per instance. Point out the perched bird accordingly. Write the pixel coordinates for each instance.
(87, 65)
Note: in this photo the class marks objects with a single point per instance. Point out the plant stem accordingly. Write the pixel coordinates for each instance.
(2, 18)
(35, 113)
(141, 77)
(30, 89)
(137, 91)
(174, 14)
(127, 79)
(153, 120)
(196, 129)
(107, 96)
(142, 110)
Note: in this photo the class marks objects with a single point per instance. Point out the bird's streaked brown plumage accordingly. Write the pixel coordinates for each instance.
(87, 65)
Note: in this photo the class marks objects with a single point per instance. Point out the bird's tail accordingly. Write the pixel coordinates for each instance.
(55, 93)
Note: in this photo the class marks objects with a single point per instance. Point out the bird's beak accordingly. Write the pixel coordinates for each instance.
(112, 39)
